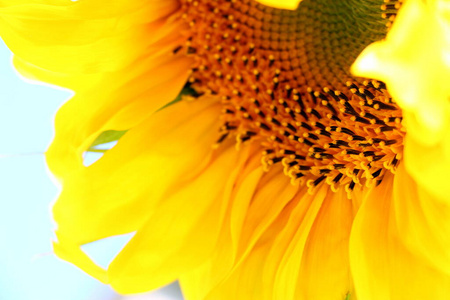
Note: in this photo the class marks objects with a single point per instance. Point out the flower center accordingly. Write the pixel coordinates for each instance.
(283, 77)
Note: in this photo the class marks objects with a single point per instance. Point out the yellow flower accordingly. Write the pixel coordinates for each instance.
(279, 175)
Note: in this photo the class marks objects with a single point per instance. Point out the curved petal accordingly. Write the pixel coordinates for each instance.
(252, 212)
(135, 82)
(124, 47)
(117, 106)
(284, 4)
(291, 257)
(264, 209)
(97, 201)
(81, 36)
(159, 47)
(399, 243)
(247, 280)
(414, 61)
(325, 267)
(181, 232)
(306, 249)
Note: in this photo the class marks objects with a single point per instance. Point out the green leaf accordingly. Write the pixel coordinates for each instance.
(186, 91)
(106, 137)
(114, 135)
(97, 150)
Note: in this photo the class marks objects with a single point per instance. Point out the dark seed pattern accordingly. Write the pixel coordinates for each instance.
(283, 77)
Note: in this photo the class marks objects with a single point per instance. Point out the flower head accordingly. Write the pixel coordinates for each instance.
(279, 174)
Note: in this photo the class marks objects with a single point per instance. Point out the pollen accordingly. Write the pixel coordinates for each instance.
(283, 77)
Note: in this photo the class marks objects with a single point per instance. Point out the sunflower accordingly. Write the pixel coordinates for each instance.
(275, 173)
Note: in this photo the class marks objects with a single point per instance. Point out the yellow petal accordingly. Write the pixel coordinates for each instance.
(162, 42)
(181, 232)
(306, 236)
(198, 282)
(291, 258)
(414, 61)
(399, 243)
(122, 103)
(284, 4)
(262, 210)
(65, 248)
(325, 268)
(97, 201)
(145, 81)
(421, 217)
(81, 36)
(247, 280)
(252, 212)
(429, 166)
(64, 80)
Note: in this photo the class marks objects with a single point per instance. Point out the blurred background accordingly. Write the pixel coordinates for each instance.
(28, 269)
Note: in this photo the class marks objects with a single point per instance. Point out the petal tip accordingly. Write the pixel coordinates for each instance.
(284, 4)
(368, 63)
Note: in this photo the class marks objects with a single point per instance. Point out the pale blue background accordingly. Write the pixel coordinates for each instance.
(28, 269)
